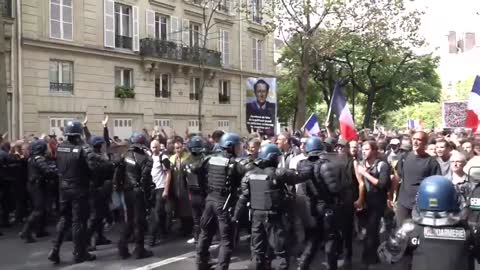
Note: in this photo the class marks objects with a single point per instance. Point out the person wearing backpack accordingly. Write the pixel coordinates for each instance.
(376, 176)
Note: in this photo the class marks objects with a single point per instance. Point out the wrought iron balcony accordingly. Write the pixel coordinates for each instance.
(223, 99)
(61, 87)
(171, 51)
(194, 96)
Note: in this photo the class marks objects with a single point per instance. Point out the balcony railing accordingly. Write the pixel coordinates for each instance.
(61, 87)
(7, 8)
(223, 99)
(123, 42)
(162, 93)
(171, 51)
(194, 96)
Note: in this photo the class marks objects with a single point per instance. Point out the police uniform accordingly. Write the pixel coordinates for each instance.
(196, 183)
(138, 166)
(224, 175)
(323, 191)
(437, 236)
(100, 194)
(75, 163)
(39, 174)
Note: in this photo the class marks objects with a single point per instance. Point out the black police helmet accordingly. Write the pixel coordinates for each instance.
(73, 128)
(269, 152)
(195, 145)
(38, 147)
(229, 140)
(313, 144)
(138, 138)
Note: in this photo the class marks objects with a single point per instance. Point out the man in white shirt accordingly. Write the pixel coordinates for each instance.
(161, 175)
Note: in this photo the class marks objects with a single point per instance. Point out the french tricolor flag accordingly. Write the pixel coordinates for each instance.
(312, 126)
(415, 124)
(340, 108)
(473, 106)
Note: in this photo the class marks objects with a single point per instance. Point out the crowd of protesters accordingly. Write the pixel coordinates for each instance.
(383, 172)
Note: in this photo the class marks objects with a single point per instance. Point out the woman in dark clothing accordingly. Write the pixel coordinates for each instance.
(376, 176)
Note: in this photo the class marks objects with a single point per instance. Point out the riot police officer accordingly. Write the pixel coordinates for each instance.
(322, 189)
(224, 177)
(265, 188)
(437, 236)
(39, 174)
(196, 182)
(137, 164)
(75, 162)
(100, 192)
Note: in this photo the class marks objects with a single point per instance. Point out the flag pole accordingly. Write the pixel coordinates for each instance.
(307, 121)
(330, 106)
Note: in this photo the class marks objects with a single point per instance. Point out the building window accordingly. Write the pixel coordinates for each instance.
(124, 77)
(257, 49)
(161, 23)
(56, 125)
(256, 10)
(61, 19)
(197, 2)
(223, 125)
(224, 6)
(194, 88)
(7, 8)
(193, 126)
(162, 123)
(162, 85)
(61, 76)
(195, 34)
(224, 47)
(224, 92)
(123, 26)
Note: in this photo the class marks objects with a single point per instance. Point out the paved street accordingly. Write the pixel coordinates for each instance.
(169, 255)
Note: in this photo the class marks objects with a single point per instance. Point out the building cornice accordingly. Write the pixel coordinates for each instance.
(224, 22)
(162, 4)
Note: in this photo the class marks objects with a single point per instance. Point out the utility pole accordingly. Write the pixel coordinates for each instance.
(3, 72)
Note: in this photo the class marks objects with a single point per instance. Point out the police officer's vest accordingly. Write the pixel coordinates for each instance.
(34, 174)
(72, 167)
(265, 194)
(193, 179)
(473, 202)
(440, 248)
(219, 173)
(134, 160)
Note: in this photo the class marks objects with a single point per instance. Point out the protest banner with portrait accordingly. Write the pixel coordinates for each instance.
(454, 114)
(261, 105)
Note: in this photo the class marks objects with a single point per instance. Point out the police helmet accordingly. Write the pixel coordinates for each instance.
(73, 128)
(97, 140)
(313, 144)
(195, 145)
(269, 152)
(437, 194)
(229, 140)
(138, 138)
(38, 147)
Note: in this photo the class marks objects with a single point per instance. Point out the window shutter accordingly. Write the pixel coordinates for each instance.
(109, 23)
(136, 34)
(150, 23)
(231, 7)
(254, 53)
(220, 41)
(174, 26)
(260, 55)
(186, 32)
(226, 49)
(202, 36)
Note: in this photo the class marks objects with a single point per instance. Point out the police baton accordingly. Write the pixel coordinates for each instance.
(227, 202)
